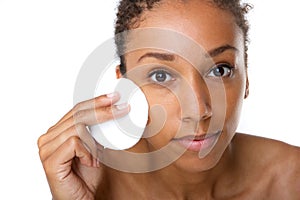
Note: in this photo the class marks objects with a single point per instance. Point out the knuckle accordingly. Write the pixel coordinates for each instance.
(79, 116)
(43, 138)
(74, 141)
(40, 141)
(41, 153)
(100, 98)
(50, 129)
(78, 129)
(77, 107)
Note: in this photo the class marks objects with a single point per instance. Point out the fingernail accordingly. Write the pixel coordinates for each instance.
(112, 95)
(122, 106)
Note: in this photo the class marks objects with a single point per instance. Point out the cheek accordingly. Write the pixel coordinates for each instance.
(234, 96)
(164, 116)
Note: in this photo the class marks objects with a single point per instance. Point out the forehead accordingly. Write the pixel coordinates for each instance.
(200, 20)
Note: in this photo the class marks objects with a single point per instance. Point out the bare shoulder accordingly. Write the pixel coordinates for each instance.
(278, 161)
(267, 146)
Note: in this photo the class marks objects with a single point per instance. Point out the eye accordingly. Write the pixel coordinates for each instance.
(221, 70)
(160, 76)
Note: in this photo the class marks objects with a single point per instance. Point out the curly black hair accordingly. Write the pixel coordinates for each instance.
(130, 12)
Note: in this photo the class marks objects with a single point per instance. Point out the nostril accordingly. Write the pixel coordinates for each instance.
(197, 118)
(186, 119)
(207, 115)
(190, 124)
(191, 119)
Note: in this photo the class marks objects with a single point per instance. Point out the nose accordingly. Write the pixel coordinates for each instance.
(196, 102)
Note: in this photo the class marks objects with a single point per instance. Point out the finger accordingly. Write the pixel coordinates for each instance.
(101, 101)
(100, 115)
(87, 118)
(60, 162)
(79, 131)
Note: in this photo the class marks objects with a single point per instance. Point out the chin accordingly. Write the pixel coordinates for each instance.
(190, 161)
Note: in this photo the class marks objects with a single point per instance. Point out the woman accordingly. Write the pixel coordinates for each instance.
(233, 165)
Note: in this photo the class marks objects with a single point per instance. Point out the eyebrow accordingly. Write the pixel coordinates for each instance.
(171, 57)
(219, 50)
(159, 56)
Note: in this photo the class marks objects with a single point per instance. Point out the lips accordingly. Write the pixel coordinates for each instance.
(198, 142)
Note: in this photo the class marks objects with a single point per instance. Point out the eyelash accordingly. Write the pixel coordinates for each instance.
(228, 73)
(230, 70)
(168, 75)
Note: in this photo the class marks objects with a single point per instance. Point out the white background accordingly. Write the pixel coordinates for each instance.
(44, 43)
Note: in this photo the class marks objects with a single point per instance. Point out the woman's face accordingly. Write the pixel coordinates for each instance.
(194, 106)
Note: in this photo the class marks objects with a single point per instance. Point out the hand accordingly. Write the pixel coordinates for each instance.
(70, 155)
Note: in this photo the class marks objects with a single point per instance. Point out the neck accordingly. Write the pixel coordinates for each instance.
(195, 184)
(174, 182)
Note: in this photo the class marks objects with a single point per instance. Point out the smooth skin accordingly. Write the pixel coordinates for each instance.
(239, 166)
(72, 170)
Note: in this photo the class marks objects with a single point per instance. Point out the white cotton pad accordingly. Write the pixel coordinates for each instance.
(125, 132)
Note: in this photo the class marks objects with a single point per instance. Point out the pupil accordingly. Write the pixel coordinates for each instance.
(219, 71)
(160, 77)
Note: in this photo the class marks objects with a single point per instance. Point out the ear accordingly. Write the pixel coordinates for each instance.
(247, 87)
(118, 72)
